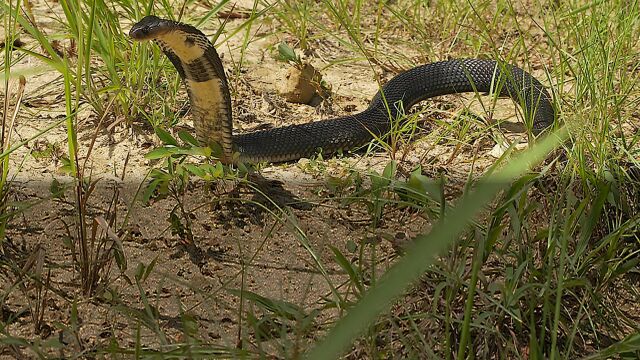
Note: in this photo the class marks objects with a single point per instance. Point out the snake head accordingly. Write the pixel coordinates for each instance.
(150, 27)
(153, 28)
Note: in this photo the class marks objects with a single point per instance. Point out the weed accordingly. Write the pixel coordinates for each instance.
(294, 17)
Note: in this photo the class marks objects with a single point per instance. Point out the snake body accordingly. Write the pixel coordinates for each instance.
(199, 66)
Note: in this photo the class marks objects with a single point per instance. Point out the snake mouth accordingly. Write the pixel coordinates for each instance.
(150, 28)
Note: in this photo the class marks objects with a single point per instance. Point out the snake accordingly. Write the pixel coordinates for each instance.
(202, 72)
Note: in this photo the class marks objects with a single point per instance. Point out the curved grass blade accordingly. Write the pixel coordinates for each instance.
(418, 258)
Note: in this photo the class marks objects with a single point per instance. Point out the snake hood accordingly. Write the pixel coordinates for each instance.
(202, 72)
(199, 66)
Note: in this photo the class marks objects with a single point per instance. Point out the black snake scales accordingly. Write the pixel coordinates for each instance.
(198, 64)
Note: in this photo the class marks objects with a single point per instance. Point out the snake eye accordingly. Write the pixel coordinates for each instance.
(139, 33)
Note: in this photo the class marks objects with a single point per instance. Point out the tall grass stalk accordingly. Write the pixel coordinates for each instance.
(9, 27)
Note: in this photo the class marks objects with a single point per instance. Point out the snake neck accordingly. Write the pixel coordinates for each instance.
(202, 72)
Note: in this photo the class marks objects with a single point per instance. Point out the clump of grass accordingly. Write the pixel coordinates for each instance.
(34, 284)
(585, 204)
(182, 163)
(294, 17)
(125, 69)
(95, 249)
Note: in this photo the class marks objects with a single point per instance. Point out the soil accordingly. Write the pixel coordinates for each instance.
(248, 242)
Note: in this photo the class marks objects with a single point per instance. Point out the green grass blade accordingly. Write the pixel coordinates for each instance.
(421, 254)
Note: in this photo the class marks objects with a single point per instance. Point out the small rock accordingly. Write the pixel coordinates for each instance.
(301, 84)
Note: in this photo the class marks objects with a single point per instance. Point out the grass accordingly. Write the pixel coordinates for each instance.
(519, 260)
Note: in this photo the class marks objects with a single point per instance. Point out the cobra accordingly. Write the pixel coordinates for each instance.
(202, 72)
